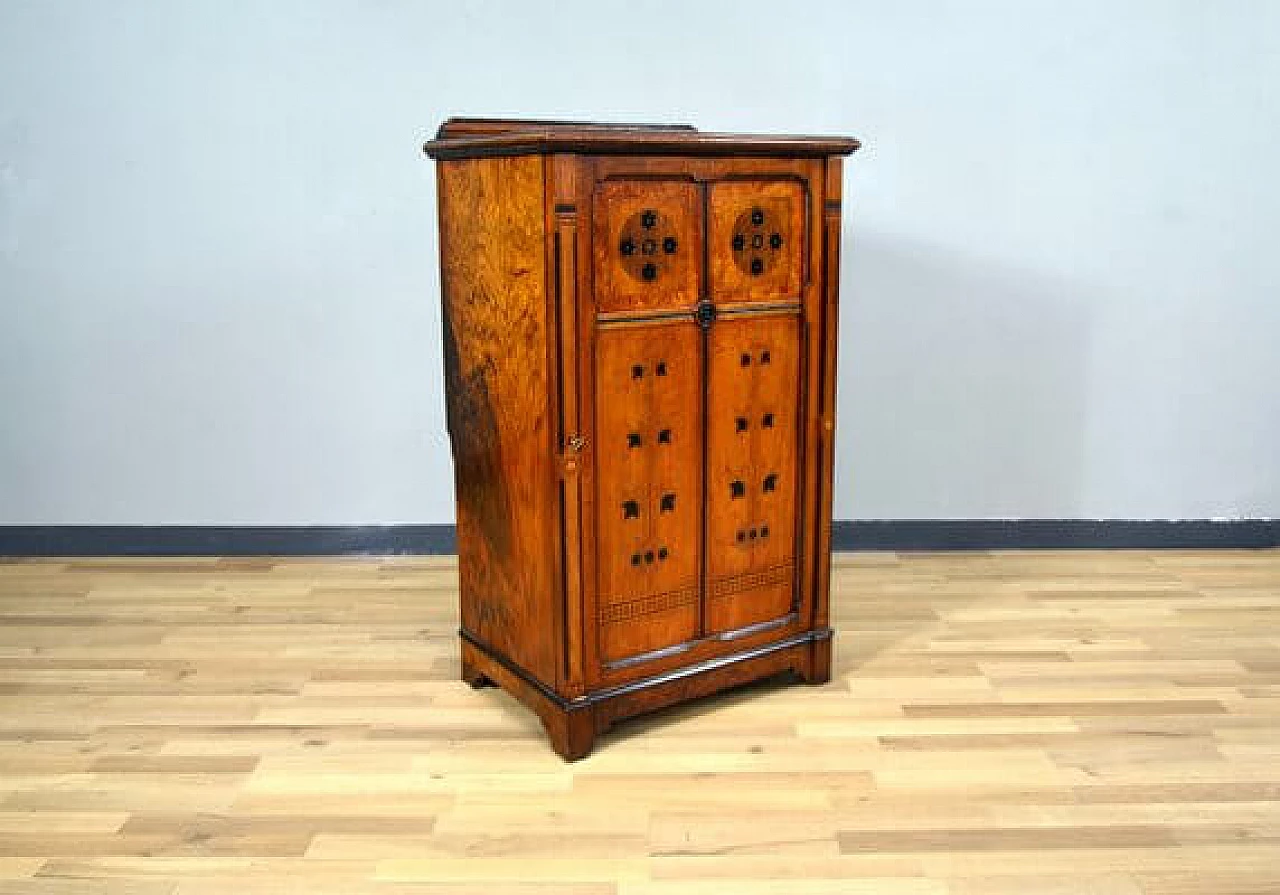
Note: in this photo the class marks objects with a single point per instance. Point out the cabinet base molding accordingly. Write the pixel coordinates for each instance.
(573, 724)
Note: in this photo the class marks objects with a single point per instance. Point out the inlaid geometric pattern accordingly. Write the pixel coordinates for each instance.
(618, 612)
(726, 587)
(757, 240)
(647, 242)
(1073, 723)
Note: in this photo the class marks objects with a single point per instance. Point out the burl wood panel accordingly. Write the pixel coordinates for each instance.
(756, 240)
(648, 503)
(493, 278)
(647, 245)
(753, 400)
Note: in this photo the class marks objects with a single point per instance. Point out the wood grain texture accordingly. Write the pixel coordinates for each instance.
(997, 724)
(497, 334)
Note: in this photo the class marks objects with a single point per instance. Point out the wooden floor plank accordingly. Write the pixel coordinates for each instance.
(1091, 723)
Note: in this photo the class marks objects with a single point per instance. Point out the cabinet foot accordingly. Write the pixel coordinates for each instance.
(816, 669)
(474, 677)
(572, 733)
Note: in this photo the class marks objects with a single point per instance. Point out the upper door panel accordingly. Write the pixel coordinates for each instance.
(756, 241)
(647, 245)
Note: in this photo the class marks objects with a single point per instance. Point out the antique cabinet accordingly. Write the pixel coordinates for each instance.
(640, 331)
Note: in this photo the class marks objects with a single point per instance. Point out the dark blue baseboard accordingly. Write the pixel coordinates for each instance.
(883, 534)
(1053, 534)
(224, 540)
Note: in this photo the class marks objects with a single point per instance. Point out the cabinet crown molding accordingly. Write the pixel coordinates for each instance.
(479, 137)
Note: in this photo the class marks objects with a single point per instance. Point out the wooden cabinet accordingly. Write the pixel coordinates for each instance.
(639, 327)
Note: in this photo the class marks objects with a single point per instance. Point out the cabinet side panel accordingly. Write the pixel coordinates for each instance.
(830, 333)
(493, 280)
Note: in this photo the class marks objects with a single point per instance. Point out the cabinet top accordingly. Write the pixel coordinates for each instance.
(473, 137)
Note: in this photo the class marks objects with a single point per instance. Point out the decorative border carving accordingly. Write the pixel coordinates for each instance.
(727, 587)
(611, 613)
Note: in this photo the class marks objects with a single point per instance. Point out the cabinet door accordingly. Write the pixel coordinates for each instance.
(753, 400)
(648, 496)
(696, 416)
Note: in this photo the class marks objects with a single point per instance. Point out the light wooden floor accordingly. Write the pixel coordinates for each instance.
(1067, 723)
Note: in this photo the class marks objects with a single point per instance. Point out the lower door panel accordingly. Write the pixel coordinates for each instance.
(648, 427)
(753, 403)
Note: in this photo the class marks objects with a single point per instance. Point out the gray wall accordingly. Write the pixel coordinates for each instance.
(218, 295)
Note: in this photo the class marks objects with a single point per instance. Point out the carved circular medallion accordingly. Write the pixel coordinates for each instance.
(758, 236)
(646, 245)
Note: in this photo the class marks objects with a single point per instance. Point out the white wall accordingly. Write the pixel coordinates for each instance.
(218, 289)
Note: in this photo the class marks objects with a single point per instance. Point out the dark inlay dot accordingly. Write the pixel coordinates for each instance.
(664, 437)
(764, 531)
(767, 421)
(648, 556)
(757, 217)
(742, 424)
(764, 356)
(669, 245)
(775, 241)
(627, 247)
(662, 553)
(745, 360)
(649, 219)
(668, 502)
(637, 371)
(630, 510)
(742, 536)
(633, 440)
(661, 368)
(649, 272)
(737, 489)
(635, 559)
(771, 481)
(757, 267)
(752, 534)
(739, 242)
